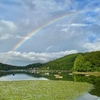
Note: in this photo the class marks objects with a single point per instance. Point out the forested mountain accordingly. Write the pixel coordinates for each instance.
(8, 67)
(11, 67)
(64, 63)
(36, 65)
(83, 62)
(89, 61)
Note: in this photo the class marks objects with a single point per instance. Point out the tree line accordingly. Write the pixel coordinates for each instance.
(87, 62)
(82, 62)
(12, 67)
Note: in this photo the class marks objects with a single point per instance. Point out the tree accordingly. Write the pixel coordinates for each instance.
(87, 66)
(78, 63)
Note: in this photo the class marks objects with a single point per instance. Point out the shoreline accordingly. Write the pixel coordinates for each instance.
(88, 73)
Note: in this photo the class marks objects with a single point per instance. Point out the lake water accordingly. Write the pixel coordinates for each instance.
(94, 94)
(13, 77)
(88, 96)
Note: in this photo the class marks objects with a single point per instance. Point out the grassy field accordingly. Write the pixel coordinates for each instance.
(42, 90)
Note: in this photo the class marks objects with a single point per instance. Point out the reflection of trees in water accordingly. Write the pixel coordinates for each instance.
(91, 79)
(51, 76)
(14, 72)
(33, 74)
(65, 75)
(5, 73)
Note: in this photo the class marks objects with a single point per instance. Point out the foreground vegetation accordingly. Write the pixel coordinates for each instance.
(42, 90)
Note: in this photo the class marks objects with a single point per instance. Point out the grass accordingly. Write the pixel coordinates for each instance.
(42, 90)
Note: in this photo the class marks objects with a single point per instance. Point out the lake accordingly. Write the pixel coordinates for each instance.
(94, 94)
(14, 77)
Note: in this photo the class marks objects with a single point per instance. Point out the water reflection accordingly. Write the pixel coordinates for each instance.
(91, 79)
(89, 97)
(9, 76)
(58, 76)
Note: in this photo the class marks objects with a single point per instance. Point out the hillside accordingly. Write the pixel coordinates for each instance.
(89, 61)
(8, 67)
(12, 67)
(82, 62)
(63, 63)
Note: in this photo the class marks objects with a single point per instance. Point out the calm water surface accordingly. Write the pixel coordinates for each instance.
(94, 94)
(88, 96)
(13, 77)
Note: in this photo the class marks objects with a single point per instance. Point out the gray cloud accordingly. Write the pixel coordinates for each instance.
(5, 36)
(7, 27)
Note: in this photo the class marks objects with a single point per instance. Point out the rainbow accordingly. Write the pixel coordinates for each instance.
(38, 29)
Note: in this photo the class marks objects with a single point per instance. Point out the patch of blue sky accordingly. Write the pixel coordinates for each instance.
(60, 1)
(9, 10)
(9, 2)
(9, 14)
(91, 38)
(91, 14)
(96, 4)
(85, 4)
(90, 17)
(80, 4)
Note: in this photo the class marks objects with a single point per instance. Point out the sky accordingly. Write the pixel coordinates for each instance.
(38, 31)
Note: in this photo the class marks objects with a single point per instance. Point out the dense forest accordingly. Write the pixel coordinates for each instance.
(64, 63)
(8, 67)
(12, 67)
(36, 65)
(87, 62)
(81, 62)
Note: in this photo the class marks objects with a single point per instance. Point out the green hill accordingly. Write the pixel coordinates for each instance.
(8, 67)
(89, 61)
(12, 67)
(64, 63)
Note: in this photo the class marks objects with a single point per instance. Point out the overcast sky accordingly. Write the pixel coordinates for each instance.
(77, 32)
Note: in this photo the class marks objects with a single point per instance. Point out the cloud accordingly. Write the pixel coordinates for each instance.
(18, 58)
(75, 24)
(7, 24)
(5, 36)
(7, 27)
(65, 29)
(29, 5)
(49, 48)
(95, 46)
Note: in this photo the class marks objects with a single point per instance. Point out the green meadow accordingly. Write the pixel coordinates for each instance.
(42, 90)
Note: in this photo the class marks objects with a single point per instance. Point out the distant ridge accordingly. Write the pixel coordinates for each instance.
(89, 61)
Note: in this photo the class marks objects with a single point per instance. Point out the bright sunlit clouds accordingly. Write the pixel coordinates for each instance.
(56, 36)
